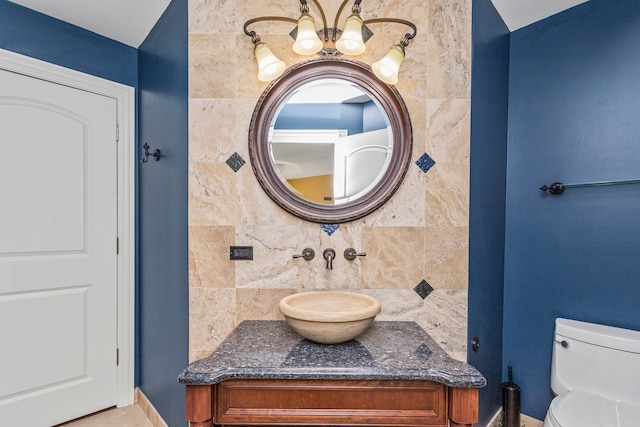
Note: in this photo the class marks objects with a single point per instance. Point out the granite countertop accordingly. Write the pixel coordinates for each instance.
(260, 349)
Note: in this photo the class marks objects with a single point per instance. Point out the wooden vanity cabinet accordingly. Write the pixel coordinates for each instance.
(331, 402)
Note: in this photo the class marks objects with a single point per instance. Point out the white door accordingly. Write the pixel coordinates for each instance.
(360, 162)
(58, 267)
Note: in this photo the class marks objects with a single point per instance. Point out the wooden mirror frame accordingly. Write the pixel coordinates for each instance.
(277, 92)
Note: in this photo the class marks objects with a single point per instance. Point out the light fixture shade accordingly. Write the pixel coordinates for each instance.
(350, 42)
(388, 67)
(269, 66)
(307, 41)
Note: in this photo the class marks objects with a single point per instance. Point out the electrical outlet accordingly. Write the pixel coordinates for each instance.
(241, 253)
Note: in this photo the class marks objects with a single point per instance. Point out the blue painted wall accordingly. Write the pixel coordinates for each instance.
(573, 117)
(356, 118)
(321, 116)
(372, 117)
(489, 85)
(39, 36)
(163, 307)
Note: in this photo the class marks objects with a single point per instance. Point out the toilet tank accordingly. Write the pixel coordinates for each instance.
(601, 359)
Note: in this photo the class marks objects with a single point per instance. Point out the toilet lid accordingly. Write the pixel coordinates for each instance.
(583, 409)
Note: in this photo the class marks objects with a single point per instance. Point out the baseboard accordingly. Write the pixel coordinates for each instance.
(496, 421)
(148, 409)
(525, 421)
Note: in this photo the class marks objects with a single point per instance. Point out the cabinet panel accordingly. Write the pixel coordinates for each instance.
(286, 402)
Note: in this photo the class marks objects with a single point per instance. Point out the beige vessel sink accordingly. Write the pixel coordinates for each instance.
(329, 317)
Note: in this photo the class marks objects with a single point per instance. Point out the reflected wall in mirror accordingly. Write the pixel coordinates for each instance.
(329, 142)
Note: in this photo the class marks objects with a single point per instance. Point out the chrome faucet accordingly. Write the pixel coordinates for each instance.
(329, 254)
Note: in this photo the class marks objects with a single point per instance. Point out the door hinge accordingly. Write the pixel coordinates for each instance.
(117, 132)
(117, 357)
(117, 246)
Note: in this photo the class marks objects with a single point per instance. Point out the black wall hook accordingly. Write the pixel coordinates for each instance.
(155, 154)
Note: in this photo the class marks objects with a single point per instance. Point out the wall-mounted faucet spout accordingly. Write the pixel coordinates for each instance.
(329, 255)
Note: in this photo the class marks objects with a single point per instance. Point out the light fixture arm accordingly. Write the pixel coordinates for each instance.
(355, 9)
(347, 41)
(304, 8)
(322, 15)
(255, 37)
(407, 37)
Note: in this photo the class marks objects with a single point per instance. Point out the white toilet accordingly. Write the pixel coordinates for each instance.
(595, 374)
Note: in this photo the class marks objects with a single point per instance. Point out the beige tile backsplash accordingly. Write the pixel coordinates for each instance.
(421, 233)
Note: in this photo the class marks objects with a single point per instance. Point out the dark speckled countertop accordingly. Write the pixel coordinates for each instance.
(260, 349)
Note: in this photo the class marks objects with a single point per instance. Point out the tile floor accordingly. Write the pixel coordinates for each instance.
(129, 416)
(134, 416)
(525, 421)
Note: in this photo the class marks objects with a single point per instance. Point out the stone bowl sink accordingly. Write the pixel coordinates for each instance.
(329, 317)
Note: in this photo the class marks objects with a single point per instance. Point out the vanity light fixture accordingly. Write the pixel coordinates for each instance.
(329, 41)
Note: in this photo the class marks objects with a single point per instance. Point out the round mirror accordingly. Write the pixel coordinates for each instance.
(329, 142)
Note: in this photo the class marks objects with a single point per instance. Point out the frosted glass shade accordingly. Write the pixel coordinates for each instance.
(388, 67)
(269, 66)
(351, 43)
(307, 40)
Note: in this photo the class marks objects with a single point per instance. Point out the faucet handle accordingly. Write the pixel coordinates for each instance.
(307, 254)
(350, 254)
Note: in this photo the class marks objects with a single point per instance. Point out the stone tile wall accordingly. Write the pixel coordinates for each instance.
(420, 234)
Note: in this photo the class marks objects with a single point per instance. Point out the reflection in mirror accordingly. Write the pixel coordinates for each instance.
(330, 141)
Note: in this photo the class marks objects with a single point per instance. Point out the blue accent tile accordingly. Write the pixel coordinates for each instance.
(329, 228)
(235, 162)
(425, 162)
(423, 289)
